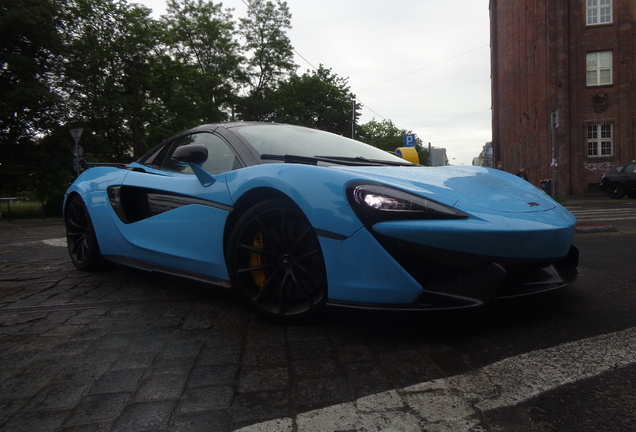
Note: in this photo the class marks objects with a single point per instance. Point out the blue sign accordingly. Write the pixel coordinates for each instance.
(409, 140)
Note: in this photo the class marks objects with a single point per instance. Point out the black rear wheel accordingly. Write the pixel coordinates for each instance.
(616, 191)
(80, 236)
(276, 263)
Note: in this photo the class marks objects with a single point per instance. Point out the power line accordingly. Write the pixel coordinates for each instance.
(367, 107)
(396, 78)
(421, 69)
(456, 118)
(293, 49)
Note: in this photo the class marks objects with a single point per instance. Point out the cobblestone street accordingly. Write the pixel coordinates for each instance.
(125, 350)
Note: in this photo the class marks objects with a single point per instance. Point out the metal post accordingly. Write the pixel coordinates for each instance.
(76, 134)
(554, 124)
(353, 118)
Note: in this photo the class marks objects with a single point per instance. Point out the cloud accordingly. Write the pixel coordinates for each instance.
(424, 64)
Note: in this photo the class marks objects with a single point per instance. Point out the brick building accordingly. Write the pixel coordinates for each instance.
(576, 58)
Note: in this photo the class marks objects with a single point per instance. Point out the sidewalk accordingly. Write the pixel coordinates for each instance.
(34, 221)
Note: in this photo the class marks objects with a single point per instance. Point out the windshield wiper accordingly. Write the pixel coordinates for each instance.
(365, 161)
(339, 160)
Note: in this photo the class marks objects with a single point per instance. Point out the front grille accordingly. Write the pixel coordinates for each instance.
(477, 279)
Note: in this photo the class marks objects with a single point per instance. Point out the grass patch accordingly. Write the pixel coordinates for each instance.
(22, 210)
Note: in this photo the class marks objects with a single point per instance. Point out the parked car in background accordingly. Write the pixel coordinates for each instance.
(619, 181)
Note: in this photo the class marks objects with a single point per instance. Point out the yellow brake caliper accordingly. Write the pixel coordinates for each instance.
(256, 260)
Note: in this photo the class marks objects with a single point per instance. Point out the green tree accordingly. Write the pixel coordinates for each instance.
(109, 43)
(388, 136)
(271, 55)
(317, 99)
(205, 68)
(52, 158)
(131, 81)
(29, 54)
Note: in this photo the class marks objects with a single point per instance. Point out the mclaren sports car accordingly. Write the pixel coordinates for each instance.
(293, 219)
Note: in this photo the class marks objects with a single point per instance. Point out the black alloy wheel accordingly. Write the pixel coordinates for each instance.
(80, 236)
(616, 191)
(276, 263)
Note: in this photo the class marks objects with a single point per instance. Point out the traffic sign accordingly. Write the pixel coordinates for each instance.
(76, 134)
(409, 140)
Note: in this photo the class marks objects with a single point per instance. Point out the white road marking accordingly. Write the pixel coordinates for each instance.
(56, 242)
(600, 215)
(597, 219)
(454, 404)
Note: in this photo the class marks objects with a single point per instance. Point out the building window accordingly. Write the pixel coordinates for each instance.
(599, 12)
(600, 139)
(599, 68)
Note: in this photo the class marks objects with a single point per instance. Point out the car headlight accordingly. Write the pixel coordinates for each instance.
(375, 203)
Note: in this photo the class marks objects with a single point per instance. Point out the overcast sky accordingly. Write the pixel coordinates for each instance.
(424, 64)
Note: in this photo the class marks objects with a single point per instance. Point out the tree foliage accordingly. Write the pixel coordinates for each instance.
(271, 54)
(131, 81)
(319, 99)
(201, 42)
(104, 77)
(30, 52)
(389, 137)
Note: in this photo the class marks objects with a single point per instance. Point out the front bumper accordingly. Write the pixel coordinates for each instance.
(452, 280)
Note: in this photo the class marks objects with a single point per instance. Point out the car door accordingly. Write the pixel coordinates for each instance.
(171, 218)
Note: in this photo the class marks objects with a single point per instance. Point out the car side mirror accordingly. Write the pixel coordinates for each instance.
(193, 155)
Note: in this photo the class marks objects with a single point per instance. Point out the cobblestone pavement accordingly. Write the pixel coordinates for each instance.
(125, 350)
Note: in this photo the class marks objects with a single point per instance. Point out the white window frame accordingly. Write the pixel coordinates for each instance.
(600, 139)
(599, 68)
(600, 12)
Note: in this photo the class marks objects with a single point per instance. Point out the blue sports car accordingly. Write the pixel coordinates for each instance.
(292, 219)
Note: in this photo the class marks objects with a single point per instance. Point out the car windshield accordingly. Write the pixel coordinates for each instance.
(278, 139)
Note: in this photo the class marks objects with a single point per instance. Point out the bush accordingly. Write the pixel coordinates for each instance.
(53, 206)
(22, 210)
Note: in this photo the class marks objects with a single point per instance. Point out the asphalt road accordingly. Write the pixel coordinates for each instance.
(124, 350)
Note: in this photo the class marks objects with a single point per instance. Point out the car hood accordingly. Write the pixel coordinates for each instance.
(465, 188)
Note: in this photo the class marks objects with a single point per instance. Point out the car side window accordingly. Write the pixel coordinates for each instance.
(221, 158)
(630, 169)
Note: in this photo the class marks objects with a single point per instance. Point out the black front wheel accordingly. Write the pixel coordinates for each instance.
(616, 191)
(80, 236)
(276, 263)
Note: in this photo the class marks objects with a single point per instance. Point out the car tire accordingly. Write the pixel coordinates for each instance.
(275, 262)
(80, 236)
(616, 191)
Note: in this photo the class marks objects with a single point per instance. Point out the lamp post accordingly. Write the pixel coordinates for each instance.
(353, 117)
